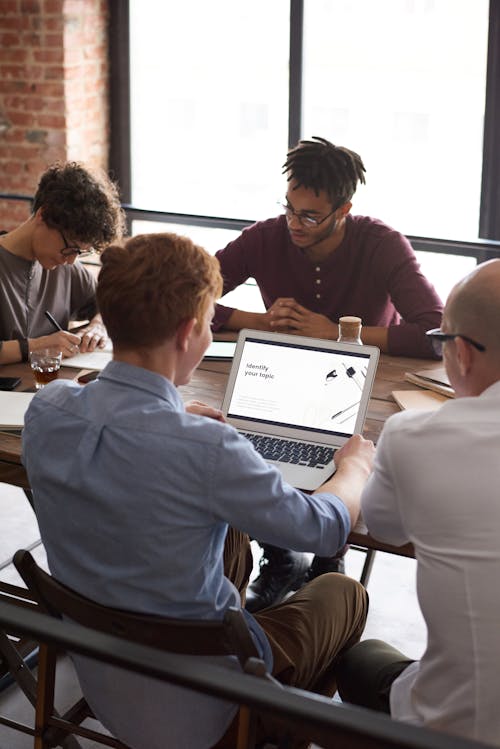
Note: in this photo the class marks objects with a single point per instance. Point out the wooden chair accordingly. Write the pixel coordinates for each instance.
(228, 637)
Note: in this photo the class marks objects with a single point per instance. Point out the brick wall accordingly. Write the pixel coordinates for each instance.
(53, 92)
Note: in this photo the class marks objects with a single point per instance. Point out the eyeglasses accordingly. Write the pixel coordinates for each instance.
(303, 218)
(71, 249)
(438, 338)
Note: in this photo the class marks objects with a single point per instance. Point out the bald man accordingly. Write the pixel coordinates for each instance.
(436, 483)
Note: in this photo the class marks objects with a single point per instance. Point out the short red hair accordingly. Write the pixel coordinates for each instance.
(152, 283)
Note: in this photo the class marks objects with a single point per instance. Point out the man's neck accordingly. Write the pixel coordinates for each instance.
(153, 359)
(19, 241)
(324, 248)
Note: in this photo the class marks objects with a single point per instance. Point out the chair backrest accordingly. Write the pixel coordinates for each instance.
(230, 636)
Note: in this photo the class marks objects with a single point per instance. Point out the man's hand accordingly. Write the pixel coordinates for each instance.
(287, 315)
(201, 409)
(354, 463)
(93, 336)
(62, 340)
(358, 453)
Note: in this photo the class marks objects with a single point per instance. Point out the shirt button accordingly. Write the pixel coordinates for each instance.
(318, 280)
(318, 296)
(318, 269)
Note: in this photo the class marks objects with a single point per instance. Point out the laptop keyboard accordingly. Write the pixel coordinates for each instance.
(288, 451)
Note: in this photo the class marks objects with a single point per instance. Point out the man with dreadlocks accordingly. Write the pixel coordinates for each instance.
(319, 262)
(314, 264)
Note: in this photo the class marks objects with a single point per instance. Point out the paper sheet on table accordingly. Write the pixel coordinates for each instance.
(91, 360)
(13, 406)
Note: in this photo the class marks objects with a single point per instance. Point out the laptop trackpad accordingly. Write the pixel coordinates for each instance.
(305, 477)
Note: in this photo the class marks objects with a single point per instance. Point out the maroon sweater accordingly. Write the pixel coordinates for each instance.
(373, 274)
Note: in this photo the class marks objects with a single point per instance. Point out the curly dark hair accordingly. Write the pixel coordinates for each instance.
(84, 205)
(319, 165)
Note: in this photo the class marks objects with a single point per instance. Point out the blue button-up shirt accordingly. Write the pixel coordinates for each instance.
(134, 496)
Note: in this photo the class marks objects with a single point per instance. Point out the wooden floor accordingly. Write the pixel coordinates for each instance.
(394, 614)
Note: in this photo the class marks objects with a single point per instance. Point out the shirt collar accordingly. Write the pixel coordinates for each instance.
(144, 379)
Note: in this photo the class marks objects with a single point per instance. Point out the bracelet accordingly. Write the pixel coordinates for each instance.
(24, 346)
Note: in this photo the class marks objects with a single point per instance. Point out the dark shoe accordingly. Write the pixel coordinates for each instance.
(322, 565)
(281, 570)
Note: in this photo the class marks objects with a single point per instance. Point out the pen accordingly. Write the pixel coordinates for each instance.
(52, 320)
(339, 413)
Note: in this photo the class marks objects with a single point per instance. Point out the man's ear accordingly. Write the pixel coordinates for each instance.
(184, 332)
(344, 209)
(465, 355)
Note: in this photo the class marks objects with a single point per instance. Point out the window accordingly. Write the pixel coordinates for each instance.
(247, 296)
(209, 105)
(216, 90)
(403, 84)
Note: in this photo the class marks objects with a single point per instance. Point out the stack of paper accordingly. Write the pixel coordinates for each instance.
(13, 406)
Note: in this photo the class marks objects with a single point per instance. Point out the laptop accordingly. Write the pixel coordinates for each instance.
(220, 351)
(299, 399)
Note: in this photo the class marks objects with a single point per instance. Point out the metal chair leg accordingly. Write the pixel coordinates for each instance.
(367, 567)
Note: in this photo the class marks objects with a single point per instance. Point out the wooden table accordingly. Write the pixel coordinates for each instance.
(208, 384)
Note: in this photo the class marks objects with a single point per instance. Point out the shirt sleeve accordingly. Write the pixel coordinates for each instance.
(379, 501)
(234, 261)
(83, 287)
(413, 296)
(252, 496)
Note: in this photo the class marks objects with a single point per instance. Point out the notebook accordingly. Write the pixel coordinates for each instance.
(13, 406)
(423, 400)
(306, 391)
(97, 359)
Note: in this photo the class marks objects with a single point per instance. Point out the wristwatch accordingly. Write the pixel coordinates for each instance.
(24, 346)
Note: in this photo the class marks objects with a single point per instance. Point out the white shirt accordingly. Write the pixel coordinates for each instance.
(436, 483)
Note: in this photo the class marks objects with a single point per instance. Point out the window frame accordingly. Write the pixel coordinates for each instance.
(487, 247)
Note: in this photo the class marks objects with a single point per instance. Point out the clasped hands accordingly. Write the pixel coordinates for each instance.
(288, 316)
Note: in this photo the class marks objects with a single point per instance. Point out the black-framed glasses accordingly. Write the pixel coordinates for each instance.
(70, 249)
(305, 219)
(438, 338)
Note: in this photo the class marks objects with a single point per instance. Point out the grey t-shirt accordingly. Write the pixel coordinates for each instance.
(27, 290)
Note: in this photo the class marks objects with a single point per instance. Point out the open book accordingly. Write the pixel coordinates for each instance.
(432, 379)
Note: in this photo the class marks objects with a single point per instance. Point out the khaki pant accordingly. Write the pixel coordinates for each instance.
(306, 632)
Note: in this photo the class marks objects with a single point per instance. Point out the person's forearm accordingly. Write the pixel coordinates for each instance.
(348, 483)
(409, 339)
(240, 319)
(10, 352)
(375, 336)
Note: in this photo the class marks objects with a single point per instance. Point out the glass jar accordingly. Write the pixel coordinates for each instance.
(350, 330)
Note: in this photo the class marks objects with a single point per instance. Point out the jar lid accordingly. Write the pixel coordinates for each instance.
(349, 326)
(350, 319)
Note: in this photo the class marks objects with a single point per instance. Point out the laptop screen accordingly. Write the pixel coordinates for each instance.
(316, 389)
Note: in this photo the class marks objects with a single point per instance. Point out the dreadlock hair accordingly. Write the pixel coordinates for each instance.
(319, 165)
